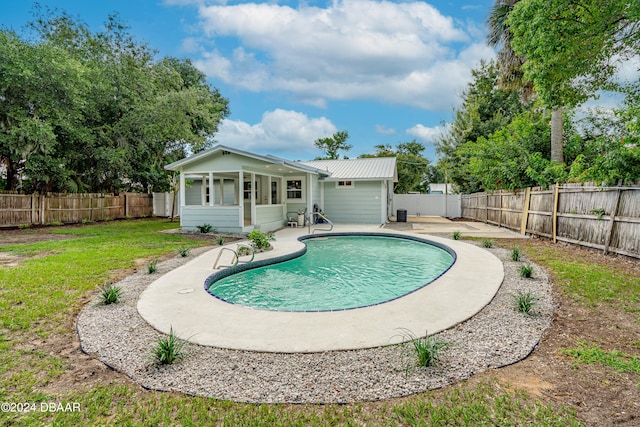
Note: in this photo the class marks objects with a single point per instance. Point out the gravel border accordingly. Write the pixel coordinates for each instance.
(497, 336)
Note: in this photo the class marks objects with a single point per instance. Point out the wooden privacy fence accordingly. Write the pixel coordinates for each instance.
(606, 218)
(40, 209)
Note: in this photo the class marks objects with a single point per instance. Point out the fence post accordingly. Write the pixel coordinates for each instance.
(500, 209)
(554, 217)
(525, 211)
(612, 222)
(34, 212)
(43, 202)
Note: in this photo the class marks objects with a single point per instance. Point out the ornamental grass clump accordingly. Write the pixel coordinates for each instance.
(515, 254)
(425, 351)
(184, 252)
(486, 243)
(456, 235)
(524, 302)
(153, 266)
(168, 349)
(110, 294)
(526, 271)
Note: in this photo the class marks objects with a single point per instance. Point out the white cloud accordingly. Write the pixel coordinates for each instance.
(280, 132)
(404, 53)
(383, 130)
(425, 134)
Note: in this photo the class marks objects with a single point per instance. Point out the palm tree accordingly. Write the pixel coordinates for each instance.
(510, 66)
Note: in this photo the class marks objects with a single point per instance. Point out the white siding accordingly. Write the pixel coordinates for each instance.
(361, 204)
(222, 218)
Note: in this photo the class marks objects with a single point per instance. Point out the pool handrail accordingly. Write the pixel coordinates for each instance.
(235, 254)
(324, 217)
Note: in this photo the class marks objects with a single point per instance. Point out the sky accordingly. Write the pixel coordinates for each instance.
(387, 72)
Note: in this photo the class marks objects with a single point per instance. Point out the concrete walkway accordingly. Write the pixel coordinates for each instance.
(178, 300)
(440, 226)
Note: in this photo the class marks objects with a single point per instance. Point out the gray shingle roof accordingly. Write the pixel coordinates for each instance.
(358, 169)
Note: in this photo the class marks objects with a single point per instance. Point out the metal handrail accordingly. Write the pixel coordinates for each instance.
(324, 217)
(235, 254)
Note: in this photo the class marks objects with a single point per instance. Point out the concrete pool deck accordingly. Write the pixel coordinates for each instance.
(178, 300)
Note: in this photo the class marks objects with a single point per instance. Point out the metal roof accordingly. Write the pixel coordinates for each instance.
(358, 169)
(269, 159)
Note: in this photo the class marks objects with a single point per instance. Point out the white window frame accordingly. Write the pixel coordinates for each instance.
(344, 184)
(302, 190)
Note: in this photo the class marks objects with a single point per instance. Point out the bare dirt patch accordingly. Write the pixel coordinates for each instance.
(30, 235)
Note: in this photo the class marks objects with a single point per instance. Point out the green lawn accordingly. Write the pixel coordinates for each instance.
(40, 298)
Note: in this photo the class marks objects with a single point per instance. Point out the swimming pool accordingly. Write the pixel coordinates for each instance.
(335, 272)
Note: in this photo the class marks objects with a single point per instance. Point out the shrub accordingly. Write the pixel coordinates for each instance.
(524, 302)
(153, 266)
(204, 228)
(86, 221)
(168, 349)
(220, 240)
(110, 294)
(487, 243)
(456, 235)
(526, 271)
(184, 252)
(515, 254)
(260, 240)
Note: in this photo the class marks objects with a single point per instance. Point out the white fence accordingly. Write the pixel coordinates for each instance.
(447, 205)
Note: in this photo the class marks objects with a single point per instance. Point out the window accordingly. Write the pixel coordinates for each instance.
(247, 190)
(345, 184)
(275, 197)
(294, 189)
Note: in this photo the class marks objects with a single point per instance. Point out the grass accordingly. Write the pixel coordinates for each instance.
(40, 298)
(582, 278)
(590, 354)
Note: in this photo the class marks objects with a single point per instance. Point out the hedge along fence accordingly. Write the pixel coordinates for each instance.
(40, 209)
(606, 218)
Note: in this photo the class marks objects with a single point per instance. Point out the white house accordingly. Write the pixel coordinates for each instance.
(238, 191)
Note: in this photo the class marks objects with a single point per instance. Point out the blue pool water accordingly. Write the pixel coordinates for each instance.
(337, 273)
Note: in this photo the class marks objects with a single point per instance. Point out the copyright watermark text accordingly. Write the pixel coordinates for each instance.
(40, 407)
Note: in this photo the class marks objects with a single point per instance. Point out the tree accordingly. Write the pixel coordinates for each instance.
(513, 156)
(511, 68)
(486, 107)
(573, 48)
(95, 111)
(413, 168)
(332, 144)
(40, 90)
